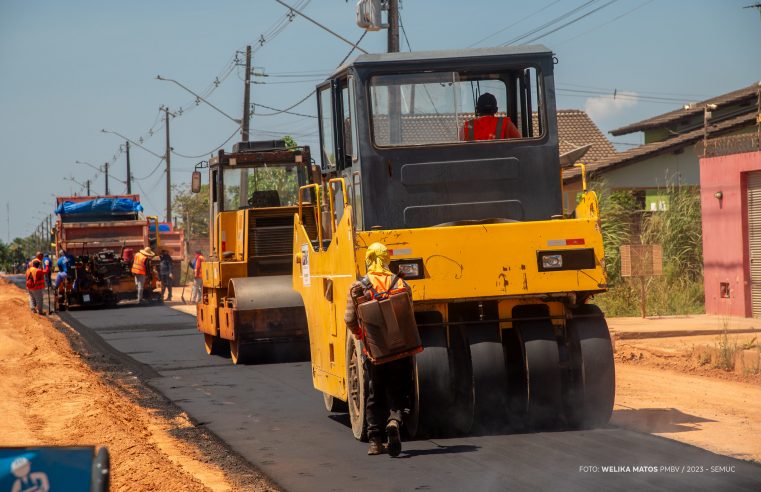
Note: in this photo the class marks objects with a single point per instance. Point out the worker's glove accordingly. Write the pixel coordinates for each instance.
(357, 292)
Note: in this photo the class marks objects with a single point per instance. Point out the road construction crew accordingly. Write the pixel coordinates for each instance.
(47, 268)
(385, 399)
(35, 283)
(197, 292)
(140, 267)
(165, 273)
(486, 126)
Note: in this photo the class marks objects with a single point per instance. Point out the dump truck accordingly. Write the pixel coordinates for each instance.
(248, 306)
(100, 234)
(502, 277)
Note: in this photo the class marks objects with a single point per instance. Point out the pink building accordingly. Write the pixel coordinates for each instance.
(730, 196)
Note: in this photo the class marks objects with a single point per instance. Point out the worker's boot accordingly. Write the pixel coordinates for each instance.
(376, 446)
(394, 440)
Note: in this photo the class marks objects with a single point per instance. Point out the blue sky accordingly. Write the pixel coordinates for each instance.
(71, 68)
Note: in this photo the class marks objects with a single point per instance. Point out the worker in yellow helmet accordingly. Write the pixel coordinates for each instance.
(385, 399)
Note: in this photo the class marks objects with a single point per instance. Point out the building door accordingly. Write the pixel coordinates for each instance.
(754, 240)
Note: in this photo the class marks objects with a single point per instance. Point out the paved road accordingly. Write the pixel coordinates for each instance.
(273, 417)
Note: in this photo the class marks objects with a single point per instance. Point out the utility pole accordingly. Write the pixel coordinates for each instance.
(246, 98)
(105, 170)
(167, 157)
(88, 187)
(129, 173)
(393, 26)
(8, 220)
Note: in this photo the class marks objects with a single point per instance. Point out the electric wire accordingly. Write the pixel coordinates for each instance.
(514, 23)
(278, 111)
(547, 24)
(608, 22)
(573, 21)
(209, 152)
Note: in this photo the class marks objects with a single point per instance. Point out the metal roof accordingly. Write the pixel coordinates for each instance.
(443, 55)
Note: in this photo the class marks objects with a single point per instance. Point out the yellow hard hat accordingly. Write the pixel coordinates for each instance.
(377, 258)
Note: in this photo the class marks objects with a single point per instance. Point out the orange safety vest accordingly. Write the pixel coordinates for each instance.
(197, 270)
(35, 279)
(138, 265)
(490, 128)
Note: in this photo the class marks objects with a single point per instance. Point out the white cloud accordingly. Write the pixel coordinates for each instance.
(603, 107)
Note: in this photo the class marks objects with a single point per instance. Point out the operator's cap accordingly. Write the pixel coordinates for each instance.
(486, 104)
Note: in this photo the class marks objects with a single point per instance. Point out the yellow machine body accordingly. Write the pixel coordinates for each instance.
(460, 263)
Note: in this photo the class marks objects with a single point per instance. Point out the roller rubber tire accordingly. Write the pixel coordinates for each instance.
(543, 374)
(333, 404)
(357, 397)
(591, 397)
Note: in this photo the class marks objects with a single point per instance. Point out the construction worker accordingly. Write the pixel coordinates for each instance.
(47, 267)
(140, 267)
(165, 273)
(385, 399)
(486, 126)
(35, 284)
(197, 264)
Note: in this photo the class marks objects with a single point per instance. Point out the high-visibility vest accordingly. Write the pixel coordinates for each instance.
(490, 128)
(35, 278)
(138, 265)
(197, 270)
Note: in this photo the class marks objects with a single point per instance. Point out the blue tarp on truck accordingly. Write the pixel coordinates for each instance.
(100, 207)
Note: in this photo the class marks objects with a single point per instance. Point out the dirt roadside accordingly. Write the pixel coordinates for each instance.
(701, 389)
(56, 390)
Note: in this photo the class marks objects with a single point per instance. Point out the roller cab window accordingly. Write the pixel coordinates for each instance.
(261, 187)
(450, 107)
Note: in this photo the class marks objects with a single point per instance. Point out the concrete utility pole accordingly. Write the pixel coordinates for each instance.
(129, 173)
(246, 98)
(8, 220)
(105, 170)
(393, 26)
(168, 157)
(87, 183)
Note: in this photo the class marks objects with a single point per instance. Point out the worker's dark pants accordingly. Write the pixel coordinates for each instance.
(166, 284)
(385, 399)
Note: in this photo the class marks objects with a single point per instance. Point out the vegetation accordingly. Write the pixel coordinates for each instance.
(193, 209)
(677, 229)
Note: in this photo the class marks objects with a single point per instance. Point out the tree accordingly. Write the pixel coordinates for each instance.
(193, 208)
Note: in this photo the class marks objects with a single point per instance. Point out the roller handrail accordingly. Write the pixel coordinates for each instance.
(318, 221)
(330, 199)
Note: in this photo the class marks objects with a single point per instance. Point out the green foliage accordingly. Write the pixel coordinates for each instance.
(193, 208)
(679, 232)
(618, 212)
(290, 142)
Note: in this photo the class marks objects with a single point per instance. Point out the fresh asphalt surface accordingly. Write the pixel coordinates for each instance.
(272, 416)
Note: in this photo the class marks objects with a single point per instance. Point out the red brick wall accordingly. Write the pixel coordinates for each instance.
(725, 251)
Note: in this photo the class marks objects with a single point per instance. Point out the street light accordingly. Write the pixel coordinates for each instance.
(237, 121)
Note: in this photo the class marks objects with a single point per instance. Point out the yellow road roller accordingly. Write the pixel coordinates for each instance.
(501, 275)
(248, 306)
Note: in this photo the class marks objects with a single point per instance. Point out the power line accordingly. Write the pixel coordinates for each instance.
(549, 23)
(209, 152)
(513, 24)
(150, 173)
(573, 21)
(279, 111)
(608, 22)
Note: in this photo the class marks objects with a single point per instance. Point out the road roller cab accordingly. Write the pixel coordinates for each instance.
(248, 305)
(500, 273)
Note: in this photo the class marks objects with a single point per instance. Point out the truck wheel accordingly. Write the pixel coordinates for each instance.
(357, 390)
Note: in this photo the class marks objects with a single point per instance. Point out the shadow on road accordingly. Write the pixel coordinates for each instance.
(457, 448)
(658, 419)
